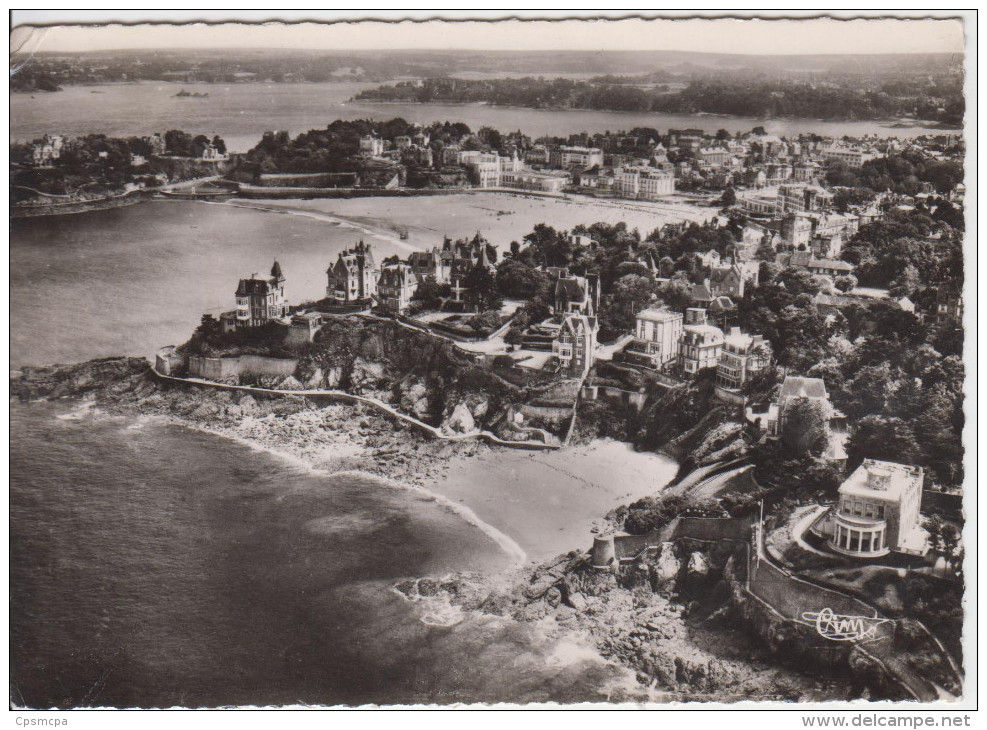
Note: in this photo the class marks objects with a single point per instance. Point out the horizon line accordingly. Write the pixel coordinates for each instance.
(330, 51)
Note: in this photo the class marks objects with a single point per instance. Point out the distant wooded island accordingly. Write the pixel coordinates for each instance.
(734, 94)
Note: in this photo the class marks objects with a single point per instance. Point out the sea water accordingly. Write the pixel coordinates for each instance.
(153, 566)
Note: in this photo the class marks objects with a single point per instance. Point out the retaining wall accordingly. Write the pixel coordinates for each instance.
(223, 368)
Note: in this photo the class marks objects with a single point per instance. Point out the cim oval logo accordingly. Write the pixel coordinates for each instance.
(837, 627)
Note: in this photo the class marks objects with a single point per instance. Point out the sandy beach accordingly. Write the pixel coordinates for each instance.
(500, 217)
(550, 502)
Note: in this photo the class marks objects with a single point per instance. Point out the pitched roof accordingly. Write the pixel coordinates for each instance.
(796, 386)
(719, 274)
(701, 293)
(833, 264)
(570, 288)
(722, 303)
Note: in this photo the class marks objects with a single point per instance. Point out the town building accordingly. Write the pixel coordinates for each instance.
(426, 264)
(701, 295)
(450, 155)
(353, 278)
(544, 182)
(743, 355)
(727, 281)
(260, 299)
(796, 387)
(801, 198)
(827, 245)
(576, 294)
(211, 153)
(830, 267)
(304, 326)
(656, 337)
(580, 157)
(483, 167)
(48, 149)
(806, 171)
(759, 204)
(949, 306)
(465, 258)
(878, 510)
(396, 286)
(701, 342)
(371, 145)
(850, 156)
(713, 156)
(575, 345)
(644, 183)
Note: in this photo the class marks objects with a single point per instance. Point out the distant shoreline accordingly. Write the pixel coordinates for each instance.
(918, 123)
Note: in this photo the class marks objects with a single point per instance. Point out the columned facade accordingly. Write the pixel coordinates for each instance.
(860, 538)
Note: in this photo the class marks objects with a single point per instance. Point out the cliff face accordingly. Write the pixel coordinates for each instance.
(185, 168)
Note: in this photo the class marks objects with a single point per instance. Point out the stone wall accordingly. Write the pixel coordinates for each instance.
(223, 368)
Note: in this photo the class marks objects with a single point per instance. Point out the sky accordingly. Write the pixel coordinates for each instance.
(760, 36)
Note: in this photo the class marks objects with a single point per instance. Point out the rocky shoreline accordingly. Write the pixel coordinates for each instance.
(670, 621)
(331, 438)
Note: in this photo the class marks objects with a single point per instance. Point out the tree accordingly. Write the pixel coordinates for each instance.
(430, 292)
(846, 283)
(905, 283)
(519, 281)
(676, 293)
(880, 437)
(481, 289)
(806, 430)
(729, 198)
(631, 293)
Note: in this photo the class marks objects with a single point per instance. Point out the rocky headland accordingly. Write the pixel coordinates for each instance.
(670, 620)
(329, 437)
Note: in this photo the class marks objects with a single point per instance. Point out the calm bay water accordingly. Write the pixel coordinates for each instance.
(130, 280)
(155, 566)
(240, 113)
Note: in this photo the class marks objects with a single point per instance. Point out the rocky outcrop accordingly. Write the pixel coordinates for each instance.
(459, 421)
(366, 375)
(642, 616)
